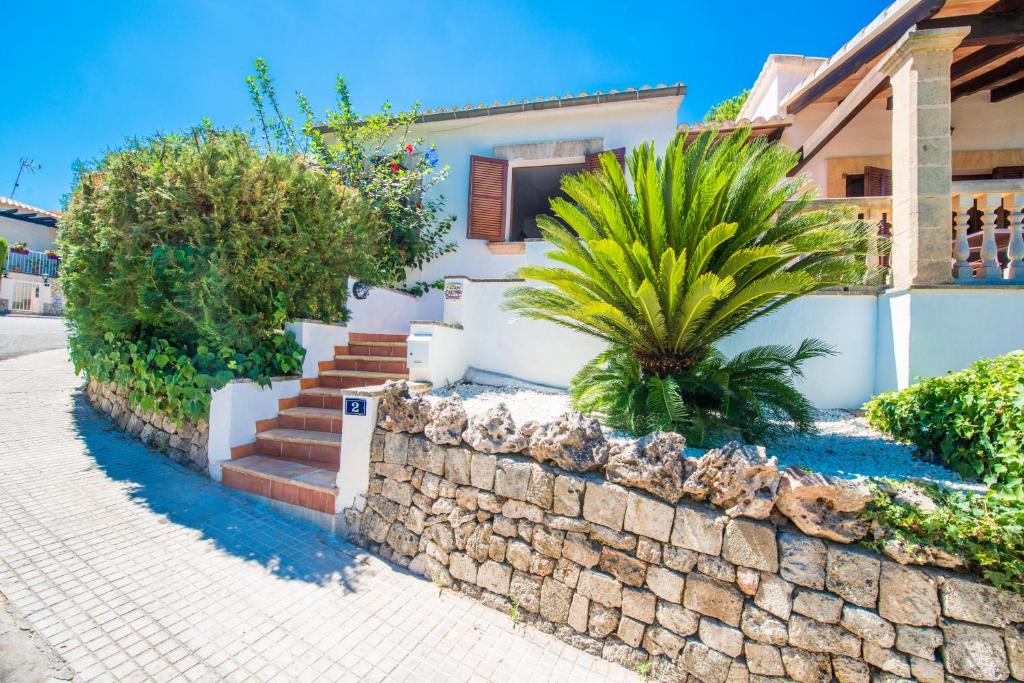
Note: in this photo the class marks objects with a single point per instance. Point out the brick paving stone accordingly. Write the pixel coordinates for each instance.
(134, 568)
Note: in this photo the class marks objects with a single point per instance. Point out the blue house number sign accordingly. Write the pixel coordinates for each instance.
(355, 406)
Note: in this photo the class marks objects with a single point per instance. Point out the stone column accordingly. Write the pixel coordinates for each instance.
(918, 70)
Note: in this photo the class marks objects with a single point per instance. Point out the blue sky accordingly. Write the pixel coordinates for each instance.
(80, 77)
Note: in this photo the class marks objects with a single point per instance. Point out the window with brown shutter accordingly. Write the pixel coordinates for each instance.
(877, 182)
(487, 190)
(1006, 172)
(593, 162)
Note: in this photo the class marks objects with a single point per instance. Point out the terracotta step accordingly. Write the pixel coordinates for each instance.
(369, 363)
(376, 337)
(378, 349)
(290, 482)
(321, 397)
(350, 379)
(318, 449)
(311, 418)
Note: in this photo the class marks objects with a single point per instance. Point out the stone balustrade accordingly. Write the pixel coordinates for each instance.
(720, 569)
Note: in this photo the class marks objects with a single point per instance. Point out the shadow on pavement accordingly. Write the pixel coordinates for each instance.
(290, 548)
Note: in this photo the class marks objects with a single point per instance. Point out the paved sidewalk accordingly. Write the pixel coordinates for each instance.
(134, 568)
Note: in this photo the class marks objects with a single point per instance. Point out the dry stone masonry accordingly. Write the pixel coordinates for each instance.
(185, 444)
(720, 569)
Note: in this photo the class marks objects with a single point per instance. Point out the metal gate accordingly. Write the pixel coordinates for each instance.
(23, 292)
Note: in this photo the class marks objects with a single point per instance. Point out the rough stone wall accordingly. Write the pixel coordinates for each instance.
(702, 595)
(186, 445)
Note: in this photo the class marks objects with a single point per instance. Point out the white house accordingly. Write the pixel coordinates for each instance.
(30, 276)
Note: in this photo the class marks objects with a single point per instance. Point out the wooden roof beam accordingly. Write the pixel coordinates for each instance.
(999, 28)
(871, 86)
(1005, 92)
(863, 55)
(989, 79)
(979, 59)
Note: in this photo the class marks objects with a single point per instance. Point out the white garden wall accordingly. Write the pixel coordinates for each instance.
(883, 341)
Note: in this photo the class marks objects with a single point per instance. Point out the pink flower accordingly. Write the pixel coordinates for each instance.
(394, 167)
(409, 149)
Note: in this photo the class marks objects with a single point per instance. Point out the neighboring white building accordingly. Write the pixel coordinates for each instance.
(30, 281)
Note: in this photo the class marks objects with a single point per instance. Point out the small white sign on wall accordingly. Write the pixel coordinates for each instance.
(452, 291)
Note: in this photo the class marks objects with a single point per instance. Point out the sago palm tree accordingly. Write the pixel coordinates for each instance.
(711, 237)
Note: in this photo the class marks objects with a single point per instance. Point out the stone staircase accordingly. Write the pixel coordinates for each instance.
(296, 456)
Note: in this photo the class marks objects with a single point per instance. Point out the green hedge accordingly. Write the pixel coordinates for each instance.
(973, 420)
(183, 256)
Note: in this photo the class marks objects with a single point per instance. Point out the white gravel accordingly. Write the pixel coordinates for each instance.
(844, 445)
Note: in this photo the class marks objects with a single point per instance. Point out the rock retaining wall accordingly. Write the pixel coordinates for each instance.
(725, 588)
(186, 444)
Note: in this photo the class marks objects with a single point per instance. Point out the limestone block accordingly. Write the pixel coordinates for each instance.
(647, 550)
(677, 619)
(927, 671)
(973, 651)
(815, 636)
(718, 636)
(885, 659)
(706, 664)
(518, 554)
(698, 528)
(567, 495)
(823, 607)
(457, 465)
(398, 491)
(853, 574)
(600, 588)
(630, 632)
(762, 659)
(581, 550)
(579, 612)
(541, 489)
(716, 568)
(660, 641)
(567, 572)
(869, 626)
(680, 559)
(400, 411)
(639, 604)
(713, 598)
(968, 600)
(403, 540)
(512, 479)
(526, 589)
(747, 580)
(823, 506)
(605, 504)
(620, 540)
(806, 667)
(761, 626)
(517, 509)
(917, 640)
(648, 517)
(907, 596)
(1014, 637)
(548, 541)
(463, 568)
(602, 621)
(802, 560)
(482, 470)
(775, 595)
(751, 544)
(626, 569)
(494, 577)
(555, 599)
(665, 583)
(848, 670)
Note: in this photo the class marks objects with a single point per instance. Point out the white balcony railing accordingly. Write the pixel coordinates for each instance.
(32, 263)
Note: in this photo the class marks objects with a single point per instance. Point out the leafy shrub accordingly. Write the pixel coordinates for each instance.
(183, 255)
(3, 253)
(711, 237)
(987, 531)
(973, 420)
(727, 110)
(377, 155)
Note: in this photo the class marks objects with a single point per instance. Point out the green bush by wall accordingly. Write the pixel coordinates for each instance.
(183, 256)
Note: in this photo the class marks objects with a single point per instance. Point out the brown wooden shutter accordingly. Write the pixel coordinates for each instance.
(877, 182)
(487, 195)
(1005, 172)
(593, 162)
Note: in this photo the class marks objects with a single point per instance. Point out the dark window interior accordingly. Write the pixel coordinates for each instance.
(532, 190)
(855, 185)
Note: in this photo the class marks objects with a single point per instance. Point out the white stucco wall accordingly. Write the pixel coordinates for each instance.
(623, 124)
(38, 237)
